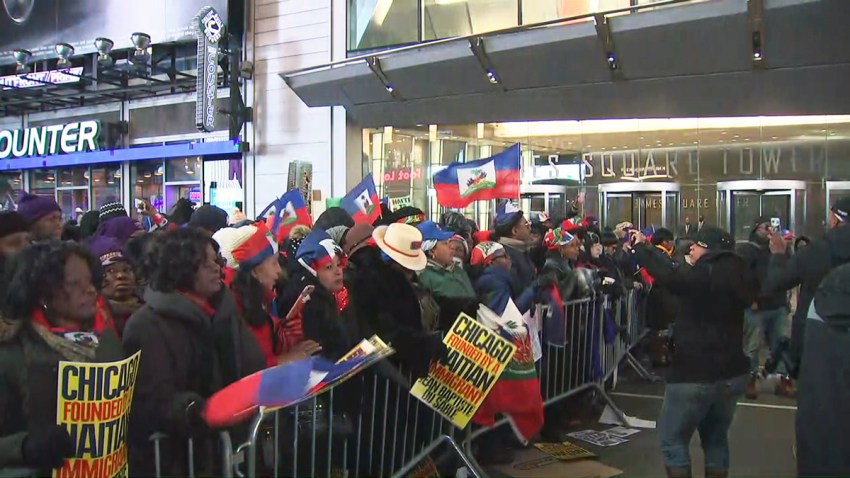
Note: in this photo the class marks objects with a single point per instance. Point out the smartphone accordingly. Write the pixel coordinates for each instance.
(775, 223)
(140, 205)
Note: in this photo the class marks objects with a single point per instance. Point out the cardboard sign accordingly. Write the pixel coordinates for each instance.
(94, 406)
(564, 451)
(477, 357)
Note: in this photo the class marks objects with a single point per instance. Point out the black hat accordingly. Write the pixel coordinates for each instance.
(714, 239)
(841, 209)
(333, 216)
(760, 220)
(110, 210)
(209, 217)
(12, 222)
(609, 238)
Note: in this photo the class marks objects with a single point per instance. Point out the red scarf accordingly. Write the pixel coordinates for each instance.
(102, 322)
(203, 304)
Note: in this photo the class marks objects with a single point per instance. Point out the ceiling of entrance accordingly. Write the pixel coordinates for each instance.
(693, 60)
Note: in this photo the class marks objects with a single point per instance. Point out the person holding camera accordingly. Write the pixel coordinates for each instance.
(709, 371)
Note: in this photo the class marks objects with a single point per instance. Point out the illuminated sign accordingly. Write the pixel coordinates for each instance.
(41, 78)
(414, 174)
(48, 140)
(209, 31)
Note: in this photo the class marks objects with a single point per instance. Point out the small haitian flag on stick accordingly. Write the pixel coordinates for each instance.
(290, 210)
(496, 177)
(362, 202)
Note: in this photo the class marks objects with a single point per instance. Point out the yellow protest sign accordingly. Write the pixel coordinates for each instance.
(94, 401)
(565, 451)
(477, 357)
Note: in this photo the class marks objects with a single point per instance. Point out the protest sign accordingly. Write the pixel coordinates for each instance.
(477, 357)
(93, 404)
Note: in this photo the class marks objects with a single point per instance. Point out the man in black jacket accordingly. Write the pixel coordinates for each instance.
(806, 269)
(709, 370)
(823, 405)
(769, 312)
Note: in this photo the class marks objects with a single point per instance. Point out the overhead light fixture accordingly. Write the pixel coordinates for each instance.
(104, 47)
(22, 57)
(65, 52)
(142, 41)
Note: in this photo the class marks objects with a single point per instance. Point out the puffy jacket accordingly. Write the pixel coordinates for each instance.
(806, 269)
(823, 400)
(758, 257)
(709, 326)
(522, 267)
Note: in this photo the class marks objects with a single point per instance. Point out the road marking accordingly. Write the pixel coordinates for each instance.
(740, 404)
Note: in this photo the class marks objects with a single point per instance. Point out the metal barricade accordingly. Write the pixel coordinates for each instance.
(367, 426)
(225, 448)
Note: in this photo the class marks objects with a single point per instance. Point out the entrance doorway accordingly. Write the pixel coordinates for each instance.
(741, 202)
(548, 198)
(643, 204)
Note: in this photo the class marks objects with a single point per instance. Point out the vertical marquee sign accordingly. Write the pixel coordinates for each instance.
(209, 30)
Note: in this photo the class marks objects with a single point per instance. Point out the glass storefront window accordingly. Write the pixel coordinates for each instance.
(74, 202)
(147, 180)
(185, 169)
(10, 187)
(43, 182)
(72, 177)
(652, 172)
(449, 18)
(106, 184)
(382, 23)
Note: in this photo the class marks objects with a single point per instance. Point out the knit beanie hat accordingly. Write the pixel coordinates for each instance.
(337, 233)
(12, 222)
(120, 228)
(245, 247)
(486, 252)
(107, 250)
(110, 210)
(89, 223)
(211, 218)
(34, 207)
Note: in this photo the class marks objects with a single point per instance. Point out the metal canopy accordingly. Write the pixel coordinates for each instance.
(104, 83)
(716, 58)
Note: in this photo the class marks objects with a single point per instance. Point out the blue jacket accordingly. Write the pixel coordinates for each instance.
(494, 289)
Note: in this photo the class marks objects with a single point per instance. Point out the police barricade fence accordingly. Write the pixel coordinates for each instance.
(372, 426)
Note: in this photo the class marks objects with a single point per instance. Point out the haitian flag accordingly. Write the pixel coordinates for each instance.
(362, 202)
(291, 211)
(496, 177)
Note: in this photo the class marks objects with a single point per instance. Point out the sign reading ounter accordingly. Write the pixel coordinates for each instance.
(75, 137)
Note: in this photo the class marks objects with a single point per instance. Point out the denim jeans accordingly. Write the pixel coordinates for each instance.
(704, 407)
(770, 324)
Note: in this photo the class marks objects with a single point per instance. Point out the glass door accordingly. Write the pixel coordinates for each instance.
(550, 199)
(643, 204)
(747, 200)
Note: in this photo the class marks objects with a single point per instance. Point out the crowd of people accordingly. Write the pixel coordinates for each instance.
(209, 300)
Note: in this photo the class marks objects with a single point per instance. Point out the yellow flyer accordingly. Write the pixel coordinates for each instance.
(93, 404)
(477, 357)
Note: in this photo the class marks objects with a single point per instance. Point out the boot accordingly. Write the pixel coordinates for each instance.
(752, 388)
(715, 473)
(785, 387)
(678, 472)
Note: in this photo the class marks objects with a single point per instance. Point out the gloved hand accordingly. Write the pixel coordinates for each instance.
(47, 448)
(187, 414)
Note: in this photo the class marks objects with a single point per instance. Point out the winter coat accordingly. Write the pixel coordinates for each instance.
(823, 393)
(28, 380)
(494, 289)
(188, 354)
(522, 266)
(451, 282)
(661, 304)
(806, 268)
(758, 257)
(387, 305)
(709, 325)
(322, 321)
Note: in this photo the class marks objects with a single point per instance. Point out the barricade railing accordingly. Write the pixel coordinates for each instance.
(372, 426)
(368, 426)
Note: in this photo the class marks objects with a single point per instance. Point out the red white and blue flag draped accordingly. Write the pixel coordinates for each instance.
(290, 211)
(496, 177)
(362, 201)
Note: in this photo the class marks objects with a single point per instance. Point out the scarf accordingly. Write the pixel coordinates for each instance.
(514, 243)
(72, 343)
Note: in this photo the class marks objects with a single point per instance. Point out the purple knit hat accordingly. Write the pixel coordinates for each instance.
(35, 207)
(107, 250)
(119, 228)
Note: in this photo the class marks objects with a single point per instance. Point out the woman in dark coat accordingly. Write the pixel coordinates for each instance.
(193, 344)
(49, 316)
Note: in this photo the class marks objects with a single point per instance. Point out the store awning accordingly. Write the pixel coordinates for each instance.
(691, 60)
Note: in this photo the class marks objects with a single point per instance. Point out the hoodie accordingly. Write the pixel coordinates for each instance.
(713, 295)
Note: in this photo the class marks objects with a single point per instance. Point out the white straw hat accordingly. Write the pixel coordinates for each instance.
(403, 243)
